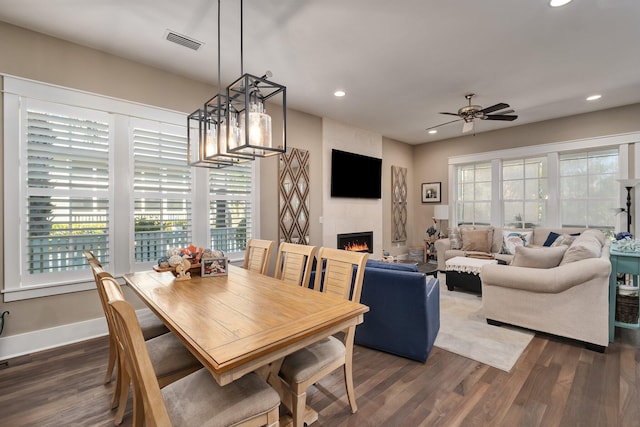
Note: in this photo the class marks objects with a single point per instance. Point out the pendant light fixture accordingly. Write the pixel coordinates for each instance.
(248, 97)
(210, 126)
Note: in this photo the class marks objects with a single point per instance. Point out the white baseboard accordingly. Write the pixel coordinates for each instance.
(44, 339)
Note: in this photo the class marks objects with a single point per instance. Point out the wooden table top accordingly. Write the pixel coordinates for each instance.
(237, 323)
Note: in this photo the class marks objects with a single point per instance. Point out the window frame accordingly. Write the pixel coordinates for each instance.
(620, 142)
(121, 228)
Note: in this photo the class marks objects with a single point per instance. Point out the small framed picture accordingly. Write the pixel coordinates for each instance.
(431, 192)
(213, 267)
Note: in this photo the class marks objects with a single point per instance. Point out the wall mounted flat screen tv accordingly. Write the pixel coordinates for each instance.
(355, 175)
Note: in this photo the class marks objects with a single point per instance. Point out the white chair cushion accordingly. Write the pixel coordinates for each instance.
(197, 400)
(302, 364)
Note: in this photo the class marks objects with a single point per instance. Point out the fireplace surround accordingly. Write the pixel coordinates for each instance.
(358, 242)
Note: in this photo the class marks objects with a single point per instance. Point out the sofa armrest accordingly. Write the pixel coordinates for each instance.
(546, 280)
(442, 246)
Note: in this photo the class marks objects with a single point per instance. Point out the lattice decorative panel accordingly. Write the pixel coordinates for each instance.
(293, 196)
(399, 203)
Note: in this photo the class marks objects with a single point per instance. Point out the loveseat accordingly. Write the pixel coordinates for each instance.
(404, 310)
(466, 240)
(568, 299)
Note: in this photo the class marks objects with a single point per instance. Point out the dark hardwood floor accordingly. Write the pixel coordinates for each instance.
(555, 383)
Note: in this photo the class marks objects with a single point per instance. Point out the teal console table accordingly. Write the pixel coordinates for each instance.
(621, 263)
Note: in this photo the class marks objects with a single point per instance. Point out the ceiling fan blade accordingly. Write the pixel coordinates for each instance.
(467, 127)
(451, 114)
(442, 124)
(500, 117)
(500, 106)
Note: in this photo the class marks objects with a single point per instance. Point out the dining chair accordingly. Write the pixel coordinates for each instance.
(171, 359)
(91, 258)
(257, 255)
(195, 399)
(294, 263)
(339, 273)
(151, 325)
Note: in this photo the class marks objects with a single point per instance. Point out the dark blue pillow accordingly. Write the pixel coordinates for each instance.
(551, 238)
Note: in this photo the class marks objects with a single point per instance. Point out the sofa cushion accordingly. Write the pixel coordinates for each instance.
(454, 238)
(476, 240)
(391, 265)
(587, 245)
(514, 238)
(544, 257)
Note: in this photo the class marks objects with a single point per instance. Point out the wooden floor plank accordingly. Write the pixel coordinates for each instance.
(555, 383)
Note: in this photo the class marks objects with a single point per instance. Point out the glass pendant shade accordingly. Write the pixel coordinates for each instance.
(217, 133)
(198, 142)
(247, 97)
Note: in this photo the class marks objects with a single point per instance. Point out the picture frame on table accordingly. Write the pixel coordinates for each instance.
(214, 267)
(431, 192)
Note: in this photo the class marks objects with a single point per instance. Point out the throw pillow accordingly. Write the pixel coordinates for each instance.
(454, 238)
(544, 257)
(550, 239)
(587, 245)
(511, 239)
(563, 240)
(476, 240)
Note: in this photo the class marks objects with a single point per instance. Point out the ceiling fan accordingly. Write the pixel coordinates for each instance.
(471, 112)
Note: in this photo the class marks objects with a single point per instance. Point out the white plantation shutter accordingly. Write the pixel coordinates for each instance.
(67, 192)
(231, 219)
(588, 189)
(162, 189)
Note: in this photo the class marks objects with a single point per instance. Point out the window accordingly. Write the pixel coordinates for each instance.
(83, 171)
(67, 188)
(524, 190)
(564, 184)
(586, 183)
(473, 186)
(230, 208)
(162, 190)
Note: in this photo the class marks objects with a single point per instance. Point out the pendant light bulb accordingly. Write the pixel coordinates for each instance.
(259, 126)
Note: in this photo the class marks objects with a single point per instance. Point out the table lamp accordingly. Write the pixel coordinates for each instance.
(441, 213)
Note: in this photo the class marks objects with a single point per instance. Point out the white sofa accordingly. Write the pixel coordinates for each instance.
(445, 250)
(569, 300)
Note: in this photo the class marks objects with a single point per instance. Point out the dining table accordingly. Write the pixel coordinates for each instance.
(244, 321)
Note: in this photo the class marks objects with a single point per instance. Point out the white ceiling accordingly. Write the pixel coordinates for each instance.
(400, 62)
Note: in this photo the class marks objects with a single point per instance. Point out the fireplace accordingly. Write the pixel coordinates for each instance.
(357, 242)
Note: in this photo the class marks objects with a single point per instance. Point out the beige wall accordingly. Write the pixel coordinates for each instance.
(304, 131)
(430, 160)
(399, 154)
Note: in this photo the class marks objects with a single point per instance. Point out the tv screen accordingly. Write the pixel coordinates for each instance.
(355, 175)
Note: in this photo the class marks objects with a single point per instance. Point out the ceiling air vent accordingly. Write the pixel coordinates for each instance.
(185, 41)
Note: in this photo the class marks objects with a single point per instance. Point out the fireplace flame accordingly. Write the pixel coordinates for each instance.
(356, 247)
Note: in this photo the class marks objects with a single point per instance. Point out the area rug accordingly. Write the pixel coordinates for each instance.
(464, 331)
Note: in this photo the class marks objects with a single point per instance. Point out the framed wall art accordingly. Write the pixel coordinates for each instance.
(431, 192)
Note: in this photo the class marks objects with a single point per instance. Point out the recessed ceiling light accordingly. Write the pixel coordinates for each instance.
(593, 97)
(339, 93)
(558, 3)
(432, 131)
